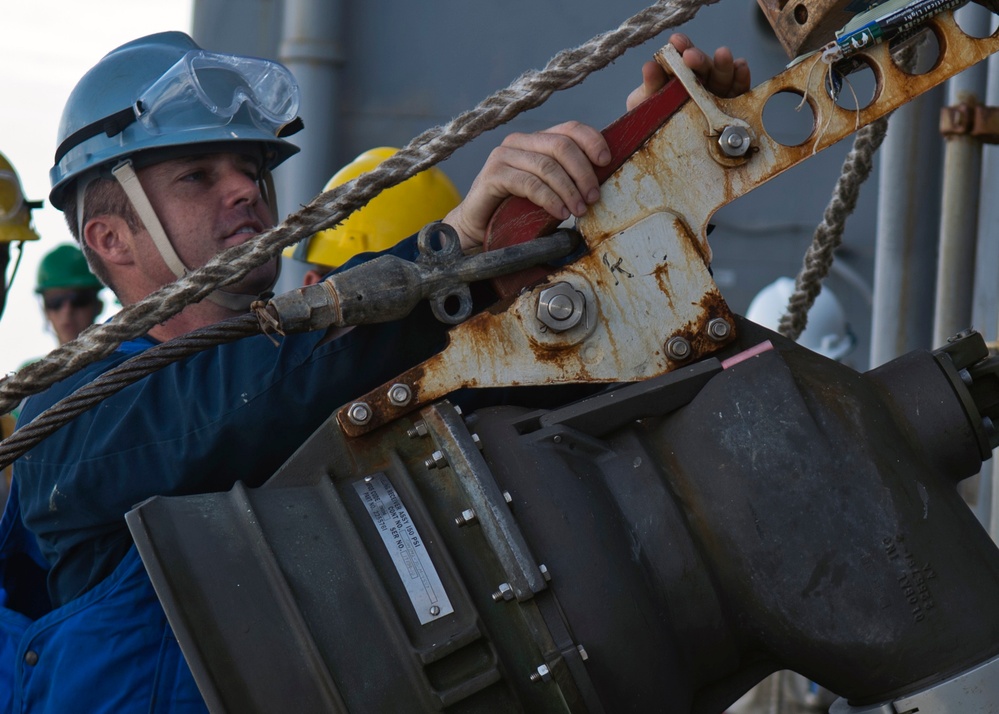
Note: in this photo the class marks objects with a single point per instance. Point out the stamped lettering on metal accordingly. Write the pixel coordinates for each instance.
(405, 546)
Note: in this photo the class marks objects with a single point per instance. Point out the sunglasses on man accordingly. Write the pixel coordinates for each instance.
(75, 298)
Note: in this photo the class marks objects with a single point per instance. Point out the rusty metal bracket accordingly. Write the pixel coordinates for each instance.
(970, 119)
(643, 288)
(673, 173)
(649, 299)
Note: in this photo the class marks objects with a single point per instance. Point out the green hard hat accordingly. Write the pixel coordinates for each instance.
(65, 267)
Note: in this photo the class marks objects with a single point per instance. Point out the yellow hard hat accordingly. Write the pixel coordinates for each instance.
(392, 215)
(15, 211)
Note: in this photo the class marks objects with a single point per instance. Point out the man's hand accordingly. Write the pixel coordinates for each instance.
(721, 74)
(552, 168)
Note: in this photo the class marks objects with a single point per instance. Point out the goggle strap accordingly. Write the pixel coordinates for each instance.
(112, 125)
(125, 175)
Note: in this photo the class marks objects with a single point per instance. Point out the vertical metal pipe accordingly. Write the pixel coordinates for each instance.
(985, 310)
(959, 205)
(312, 49)
(905, 252)
(959, 208)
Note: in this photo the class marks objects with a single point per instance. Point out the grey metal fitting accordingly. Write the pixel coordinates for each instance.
(419, 428)
(542, 674)
(507, 497)
(719, 329)
(359, 413)
(544, 573)
(477, 441)
(399, 394)
(561, 307)
(504, 592)
(734, 141)
(582, 653)
(467, 517)
(678, 348)
(436, 461)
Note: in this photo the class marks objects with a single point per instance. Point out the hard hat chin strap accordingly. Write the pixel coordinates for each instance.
(125, 175)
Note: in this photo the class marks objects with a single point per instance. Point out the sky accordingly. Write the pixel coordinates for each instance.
(48, 45)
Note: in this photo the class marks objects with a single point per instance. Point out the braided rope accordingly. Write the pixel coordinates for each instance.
(828, 234)
(567, 69)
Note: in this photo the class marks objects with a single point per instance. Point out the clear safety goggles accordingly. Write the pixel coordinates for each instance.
(205, 89)
(11, 197)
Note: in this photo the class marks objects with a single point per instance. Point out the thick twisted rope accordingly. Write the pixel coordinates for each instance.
(567, 69)
(114, 380)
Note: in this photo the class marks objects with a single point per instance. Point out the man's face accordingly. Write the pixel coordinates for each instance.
(70, 311)
(206, 204)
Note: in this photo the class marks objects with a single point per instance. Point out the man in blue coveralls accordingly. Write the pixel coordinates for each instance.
(163, 162)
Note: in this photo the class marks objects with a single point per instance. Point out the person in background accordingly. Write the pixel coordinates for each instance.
(15, 227)
(69, 292)
(827, 331)
(392, 215)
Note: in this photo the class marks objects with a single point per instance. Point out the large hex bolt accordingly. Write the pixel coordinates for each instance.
(734, 141)
(561, 307)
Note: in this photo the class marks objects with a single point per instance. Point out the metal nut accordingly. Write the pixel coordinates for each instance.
(419, 429)
(678, 348)
(467, 517)
(504, 592)
(436, 461)
(544, 573)
(542, 674)
(399, 394)
(719, 329)
(734, 141)
(359, 413)
(561, 307)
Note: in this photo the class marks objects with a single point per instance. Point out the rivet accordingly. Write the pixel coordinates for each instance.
(435, 611)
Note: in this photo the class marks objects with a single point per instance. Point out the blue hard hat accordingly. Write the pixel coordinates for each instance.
(155, 97)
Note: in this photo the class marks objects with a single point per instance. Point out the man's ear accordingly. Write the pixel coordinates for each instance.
(111, 238)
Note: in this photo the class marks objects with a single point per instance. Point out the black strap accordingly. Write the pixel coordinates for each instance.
(293, 127)
(111, 125)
